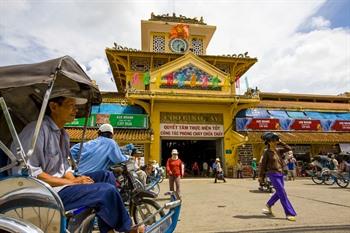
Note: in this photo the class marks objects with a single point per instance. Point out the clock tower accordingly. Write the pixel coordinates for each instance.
(175, 34)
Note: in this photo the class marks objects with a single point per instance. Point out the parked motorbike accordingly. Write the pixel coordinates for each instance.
(140, 202)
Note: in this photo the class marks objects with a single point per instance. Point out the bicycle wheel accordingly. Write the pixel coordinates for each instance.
(145, 209)
(329, 179)
(317, 179)
(342, 181)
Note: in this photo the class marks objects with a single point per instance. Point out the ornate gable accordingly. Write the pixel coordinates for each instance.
(189, 73)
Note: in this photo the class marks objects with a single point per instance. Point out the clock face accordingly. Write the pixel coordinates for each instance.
(178, 45)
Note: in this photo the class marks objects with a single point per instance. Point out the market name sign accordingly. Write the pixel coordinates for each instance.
(191, 130)
(191, 118)
(116, 120)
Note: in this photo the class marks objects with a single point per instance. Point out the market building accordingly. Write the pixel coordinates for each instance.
(171, 94)
(189, 97)
(310, 124)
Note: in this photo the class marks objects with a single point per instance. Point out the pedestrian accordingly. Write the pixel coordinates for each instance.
(239, 168)
(205, 169)
(195, 169)
(50, 164)
(334, 163)
(174, 168)
(254, 167)
(272, 166)
(98, 154)
(291, 164)
(219, 174)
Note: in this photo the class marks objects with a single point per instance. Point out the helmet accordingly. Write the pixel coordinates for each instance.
(269, 136)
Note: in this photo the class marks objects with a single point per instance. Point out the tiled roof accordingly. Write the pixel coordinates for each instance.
(121, 135)
(112, 97)
(303, 137)
(304, 105)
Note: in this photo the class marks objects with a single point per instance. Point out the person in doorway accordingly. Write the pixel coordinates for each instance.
(195, 169)
(239, 168)
(205, 169)
(219, 174)
(272, 166)
(174, 170)
(254, 167)
(50, 164)
(98, 154)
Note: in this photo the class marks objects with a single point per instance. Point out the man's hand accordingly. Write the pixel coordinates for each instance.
(83, 180)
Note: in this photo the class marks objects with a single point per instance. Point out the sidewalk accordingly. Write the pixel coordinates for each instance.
(236, 206)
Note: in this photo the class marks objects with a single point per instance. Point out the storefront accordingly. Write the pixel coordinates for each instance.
(315, 125)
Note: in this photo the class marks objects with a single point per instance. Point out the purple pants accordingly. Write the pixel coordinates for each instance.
(280, 194)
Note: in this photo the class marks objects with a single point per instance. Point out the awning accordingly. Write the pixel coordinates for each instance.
(344, 147)
(121, 136)
(303, 137)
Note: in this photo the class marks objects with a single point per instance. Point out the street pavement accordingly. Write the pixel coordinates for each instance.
(236, 206)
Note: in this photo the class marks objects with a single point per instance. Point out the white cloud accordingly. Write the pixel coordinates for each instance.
(313, 62)
(31, 31)
(319, 23)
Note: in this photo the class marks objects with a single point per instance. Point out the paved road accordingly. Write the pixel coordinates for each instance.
(236, 206)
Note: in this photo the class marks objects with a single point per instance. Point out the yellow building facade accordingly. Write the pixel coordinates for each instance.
(190, 97)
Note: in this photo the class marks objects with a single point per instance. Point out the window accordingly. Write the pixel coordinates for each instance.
(197, 46)
(158, 43)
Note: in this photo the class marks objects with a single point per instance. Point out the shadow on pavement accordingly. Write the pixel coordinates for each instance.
(257, 217)
(258, 191)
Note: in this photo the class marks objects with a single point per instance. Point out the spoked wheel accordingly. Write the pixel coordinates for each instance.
(317, 178)
(45, 218)
(145, 209)
(342, 181)
(329, 180)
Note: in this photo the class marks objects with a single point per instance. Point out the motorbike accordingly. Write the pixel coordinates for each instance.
(139, 201)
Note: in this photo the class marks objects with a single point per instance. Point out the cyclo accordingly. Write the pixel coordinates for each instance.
(26, 203)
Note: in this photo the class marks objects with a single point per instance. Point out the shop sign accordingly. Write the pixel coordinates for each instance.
(191, 118)
(262, 124)
(191, 130)
(116, 120)
(306, 125)
(341, 125)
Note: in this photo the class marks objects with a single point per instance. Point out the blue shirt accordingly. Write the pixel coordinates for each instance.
(50, 152)
(98, 154)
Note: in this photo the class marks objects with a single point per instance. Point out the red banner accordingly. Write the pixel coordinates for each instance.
(341, 125)
(306, 125)
(272, 124)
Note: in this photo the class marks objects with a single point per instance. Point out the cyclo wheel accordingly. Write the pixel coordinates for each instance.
(342, 181)
(317, 178)
(146, 208)
(328, 179)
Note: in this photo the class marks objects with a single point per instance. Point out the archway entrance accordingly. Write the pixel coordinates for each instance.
(191, 151)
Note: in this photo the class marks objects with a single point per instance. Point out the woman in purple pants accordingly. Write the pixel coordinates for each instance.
(272, 166)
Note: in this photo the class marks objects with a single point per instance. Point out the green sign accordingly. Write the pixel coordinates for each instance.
(116, 120)
(228, 151)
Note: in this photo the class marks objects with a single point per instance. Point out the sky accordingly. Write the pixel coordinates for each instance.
(302, 46)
